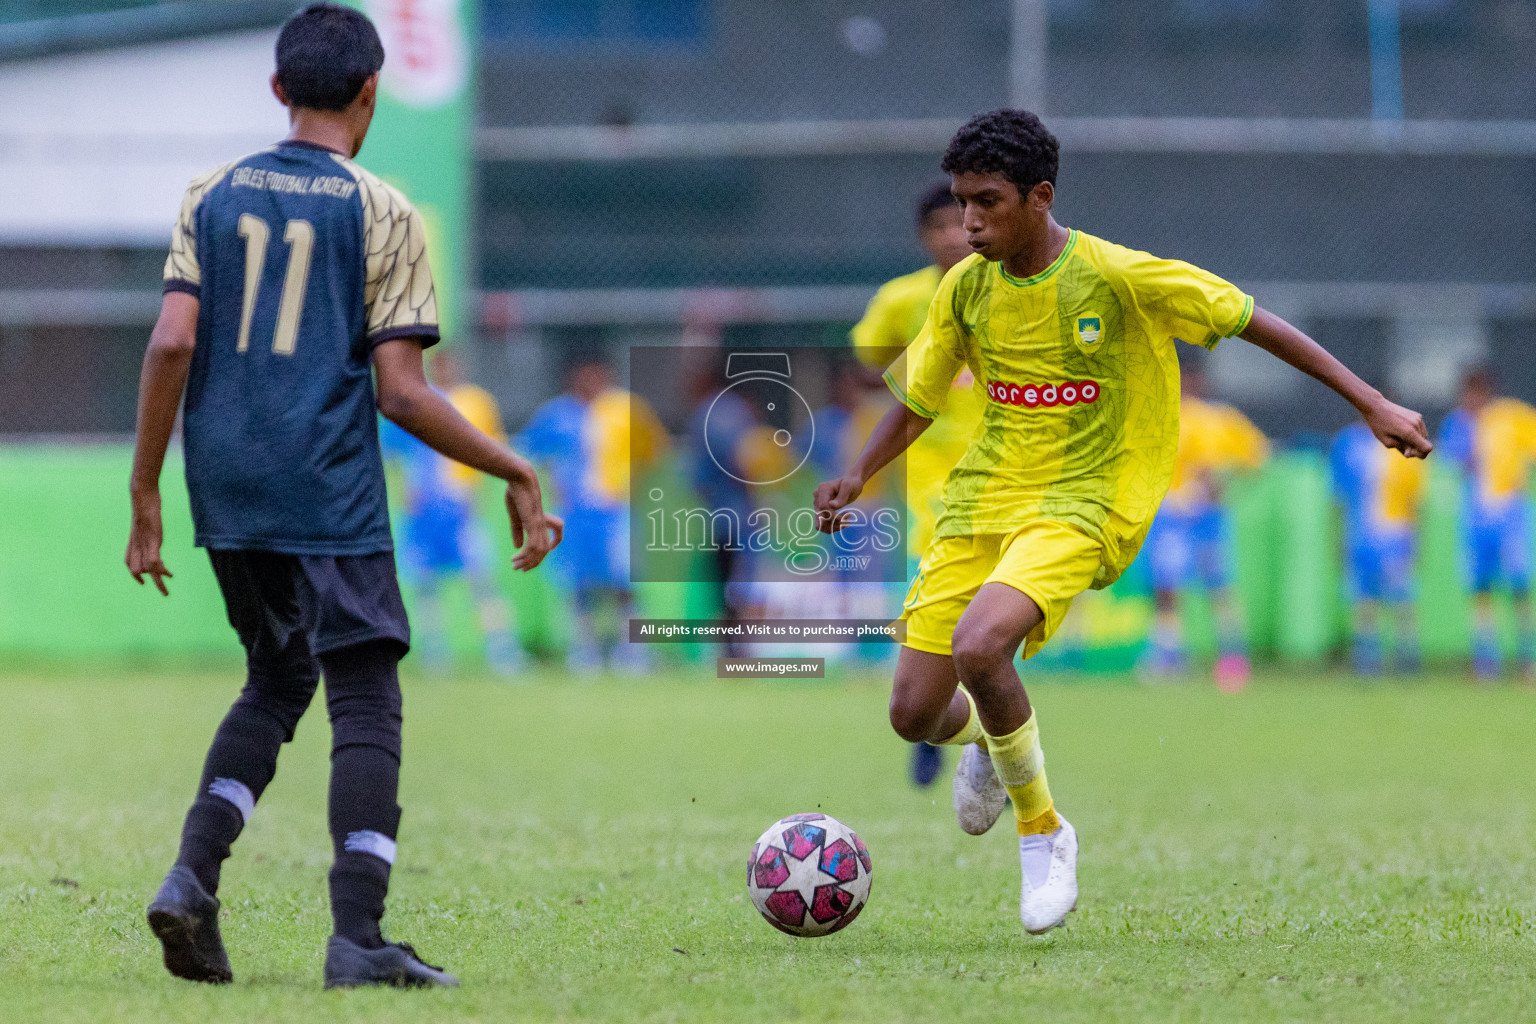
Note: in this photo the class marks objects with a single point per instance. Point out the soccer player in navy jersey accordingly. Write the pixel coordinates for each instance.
(296, 278)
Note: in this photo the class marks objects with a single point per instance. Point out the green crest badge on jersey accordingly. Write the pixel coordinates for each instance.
(1090, 328)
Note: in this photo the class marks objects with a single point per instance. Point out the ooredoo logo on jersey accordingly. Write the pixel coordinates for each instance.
(1034, 396)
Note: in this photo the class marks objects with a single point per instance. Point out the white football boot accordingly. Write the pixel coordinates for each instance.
(1049, 889)
(979, 796)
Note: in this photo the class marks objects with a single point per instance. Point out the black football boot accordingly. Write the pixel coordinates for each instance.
(186, 921)
(348, 965)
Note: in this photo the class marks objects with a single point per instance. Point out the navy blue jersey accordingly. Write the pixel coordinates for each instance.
(302, 262)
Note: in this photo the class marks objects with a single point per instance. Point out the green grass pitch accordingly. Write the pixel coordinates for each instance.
(1307, 850)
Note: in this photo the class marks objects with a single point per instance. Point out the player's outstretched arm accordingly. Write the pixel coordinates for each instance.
(894, 433)
(405, 398)
(164, 376)
(1393, 425)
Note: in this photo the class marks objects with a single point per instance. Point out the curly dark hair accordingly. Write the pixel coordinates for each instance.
(1013, 143)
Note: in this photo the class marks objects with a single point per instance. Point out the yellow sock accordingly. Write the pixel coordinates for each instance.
(970, 732)
(1020, 767)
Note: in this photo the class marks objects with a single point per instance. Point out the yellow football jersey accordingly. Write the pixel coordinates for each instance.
(476, 405)
(1402, 487)
(1081, 422)
(1214, 439)
(1505, 439)
(620, 425)
(894, 316)
(892, 320)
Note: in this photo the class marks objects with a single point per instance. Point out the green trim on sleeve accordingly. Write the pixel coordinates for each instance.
(1242, 321)
(1209, 344)
(905, 399)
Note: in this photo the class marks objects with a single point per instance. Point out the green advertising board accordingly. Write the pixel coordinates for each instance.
(65, 594)
(421, 137)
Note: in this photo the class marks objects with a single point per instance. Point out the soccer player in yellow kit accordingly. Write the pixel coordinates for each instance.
(1381, 493)
(892, 320)
(1191, 537)
(1072, 338)
(441, 532)
(590, 439)
(1493, 441)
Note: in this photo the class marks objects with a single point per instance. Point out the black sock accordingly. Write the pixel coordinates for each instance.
(211, 828)
(362, 690)
(241, 762)
(359, 883)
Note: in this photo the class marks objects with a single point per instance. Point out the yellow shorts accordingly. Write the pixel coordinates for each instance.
(1049, 562)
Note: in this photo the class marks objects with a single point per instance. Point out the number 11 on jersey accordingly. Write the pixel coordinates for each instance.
(300, 236)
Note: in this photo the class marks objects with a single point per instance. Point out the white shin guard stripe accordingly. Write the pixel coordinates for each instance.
(237, 793)
(376, 843)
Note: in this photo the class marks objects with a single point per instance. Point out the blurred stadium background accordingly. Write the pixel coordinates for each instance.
(619, 172)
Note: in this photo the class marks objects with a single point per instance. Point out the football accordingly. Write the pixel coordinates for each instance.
(809, 875)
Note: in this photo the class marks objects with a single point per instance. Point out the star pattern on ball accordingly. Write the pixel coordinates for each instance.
(809, 875)
(805, 876)
(794, 865)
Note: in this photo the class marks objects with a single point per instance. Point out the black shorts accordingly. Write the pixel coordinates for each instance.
(330, 601)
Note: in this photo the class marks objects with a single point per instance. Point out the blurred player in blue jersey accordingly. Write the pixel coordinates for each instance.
(585, 439)
(1493, 440)
(443, 536)
(1380, 491)
(845, 421)
(295, 278)
(1190, 540)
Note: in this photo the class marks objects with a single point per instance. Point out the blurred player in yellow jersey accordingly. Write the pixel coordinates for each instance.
(585, 439)
(442, 533)
(1380, 492)
(1190, 541)
(1072, 338)
(1493, 440)
(893, 319)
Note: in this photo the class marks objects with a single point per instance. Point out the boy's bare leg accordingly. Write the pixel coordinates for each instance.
(927, 704)
(925, 700)
(986, 639)
(929, 712)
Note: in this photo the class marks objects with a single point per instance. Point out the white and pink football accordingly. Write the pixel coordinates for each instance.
(809, 875)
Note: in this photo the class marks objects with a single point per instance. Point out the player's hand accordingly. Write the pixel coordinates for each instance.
(144, 538)
(833, 496)
(534, 531)
(552, 530)
(1400, 429)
